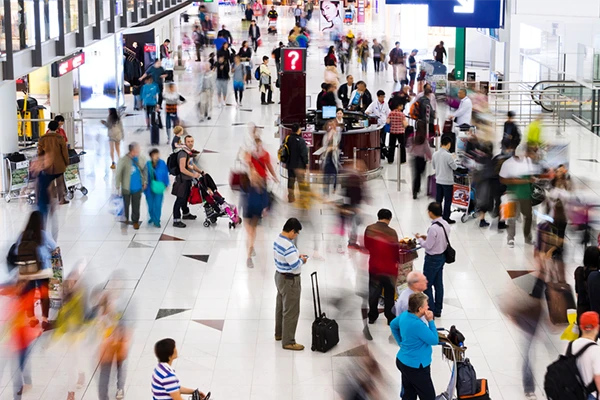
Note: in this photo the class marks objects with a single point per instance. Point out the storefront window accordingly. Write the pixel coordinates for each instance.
(71, 16)
(48, 14)
(105, 9)
(89, 13)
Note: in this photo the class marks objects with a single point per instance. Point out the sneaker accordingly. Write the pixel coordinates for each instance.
(249, 263)
(511, 244)
(189, 216)
(179, 224)
(294, 347)
(136, 225)
(483, 223)
(120, 394)
(437, 315)
(530, 396)
(157, 224)
(113, 166)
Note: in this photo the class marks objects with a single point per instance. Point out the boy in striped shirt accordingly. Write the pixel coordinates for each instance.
(165, 384)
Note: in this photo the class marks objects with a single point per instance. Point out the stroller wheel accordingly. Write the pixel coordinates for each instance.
(84, 191)
(206, 223)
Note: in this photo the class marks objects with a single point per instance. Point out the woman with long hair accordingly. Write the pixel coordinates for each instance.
(115, 134)
(330, 56)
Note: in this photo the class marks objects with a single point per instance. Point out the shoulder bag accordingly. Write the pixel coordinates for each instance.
(450, 253)
(156, 186)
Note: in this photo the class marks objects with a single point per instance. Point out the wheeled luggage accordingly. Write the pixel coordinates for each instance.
(325, 331)
(559, 298)
(154, 129)
(483, 392)
(431, 186)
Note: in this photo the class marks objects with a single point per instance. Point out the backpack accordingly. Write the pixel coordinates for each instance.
(466, 384)
(563, 380)
(283, 154)
(27, 259)
(173, 163)
(415, 110)
(257, 73)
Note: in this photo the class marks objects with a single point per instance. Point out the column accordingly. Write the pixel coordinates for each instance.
(61, 102)
(9, 137)
(460, 54)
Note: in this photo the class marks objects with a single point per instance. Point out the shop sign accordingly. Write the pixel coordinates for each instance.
(467, 13)
(68, 64)
(308, 138)
(360, 18)
(150, 48)
(294, 59)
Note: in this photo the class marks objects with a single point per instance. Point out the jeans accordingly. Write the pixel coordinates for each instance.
(363, 62)
(134, 200)
(287, 308)
(419, 164)
(524, 207)
(412, 76)
(416, 382)
(444, 192)
(171, 121)
(154, 206)
(104, 378)
(433, 269)
(22, 371)
(376, 283)
(268, 92)
(180, 205)
(376, 63)
(43, 192)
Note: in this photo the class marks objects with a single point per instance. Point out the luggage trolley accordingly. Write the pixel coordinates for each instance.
(452, 354)
(461, 193)
(72, 175)
(19, 179)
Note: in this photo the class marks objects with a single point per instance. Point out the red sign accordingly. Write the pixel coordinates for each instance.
(150, 48)
(460, 195)
(68, 64)
(308, 138)
(294, 60)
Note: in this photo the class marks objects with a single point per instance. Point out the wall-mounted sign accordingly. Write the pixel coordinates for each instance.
(462, 13)
(149, 48)
(294, 59)
(68, 64)
(360, 17)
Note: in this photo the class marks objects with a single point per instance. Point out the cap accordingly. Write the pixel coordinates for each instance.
(415, 51)
(589, 320)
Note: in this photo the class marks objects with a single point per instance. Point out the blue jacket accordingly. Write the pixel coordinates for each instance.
(150, 94)
(415, 339)
(161, 173)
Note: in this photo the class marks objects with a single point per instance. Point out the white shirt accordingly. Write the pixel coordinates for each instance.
(464, 113)
(589, 362)
(380, 110)
(518, 168)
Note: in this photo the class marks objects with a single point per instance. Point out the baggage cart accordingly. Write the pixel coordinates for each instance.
(56, 282)
(452, 354)
(72, 176)
(19, 179)
(462, 195)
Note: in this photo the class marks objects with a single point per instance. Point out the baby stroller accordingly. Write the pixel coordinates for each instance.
(272, 26)
(214, 204)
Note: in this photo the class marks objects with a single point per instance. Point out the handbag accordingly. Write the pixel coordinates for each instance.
(156, 187)
(450, 253)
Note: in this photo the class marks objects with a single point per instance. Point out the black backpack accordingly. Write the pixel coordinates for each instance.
(563, 381)
(466, 385)
(173, 163)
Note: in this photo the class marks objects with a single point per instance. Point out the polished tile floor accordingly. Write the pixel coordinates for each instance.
(193, 284)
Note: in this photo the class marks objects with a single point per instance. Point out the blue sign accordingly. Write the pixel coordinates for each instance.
(466, 13)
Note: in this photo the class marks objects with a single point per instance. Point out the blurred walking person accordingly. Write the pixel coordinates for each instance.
(131, 179)
(115, 135)
(297, 160)
(377, 54)
(206, 88)
(53, 159)
(354, 193)
(172, 101)
(158, 181)
(330, 156)
(239, 75)
(420, 153)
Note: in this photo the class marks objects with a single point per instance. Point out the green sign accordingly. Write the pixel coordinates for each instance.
(460, 54)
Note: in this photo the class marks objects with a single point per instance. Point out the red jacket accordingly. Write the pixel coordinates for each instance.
(382, 243)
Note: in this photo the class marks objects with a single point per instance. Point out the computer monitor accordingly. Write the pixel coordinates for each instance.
(329, 112)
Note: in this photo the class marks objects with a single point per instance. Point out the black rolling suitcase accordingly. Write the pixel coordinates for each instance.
(325, 331)
(154, 129)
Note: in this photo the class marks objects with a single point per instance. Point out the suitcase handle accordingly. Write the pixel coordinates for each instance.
(315, 283)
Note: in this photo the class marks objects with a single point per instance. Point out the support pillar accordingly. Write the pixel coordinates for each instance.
(9, 137)
(61, 102)
(460, 54)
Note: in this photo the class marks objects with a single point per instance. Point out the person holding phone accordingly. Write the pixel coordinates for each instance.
(288, 262)
(165, 383)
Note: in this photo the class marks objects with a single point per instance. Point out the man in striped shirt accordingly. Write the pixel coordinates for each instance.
(288, 262)
(165, 384)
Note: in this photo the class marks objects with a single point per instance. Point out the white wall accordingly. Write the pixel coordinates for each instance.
(478, 47)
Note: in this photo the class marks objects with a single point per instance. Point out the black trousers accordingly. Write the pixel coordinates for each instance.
(376, 63)
(444, 192)
(268, 93)
(376, 283)
(255, 44)
(416, 382)
(198, 50)
(400, 139)
(181, 207)
(419, 164)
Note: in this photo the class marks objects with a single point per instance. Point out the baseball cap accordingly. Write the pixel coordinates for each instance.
(589, 320)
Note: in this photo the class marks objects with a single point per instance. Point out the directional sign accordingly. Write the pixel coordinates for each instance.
(67, 64)
(466, 13)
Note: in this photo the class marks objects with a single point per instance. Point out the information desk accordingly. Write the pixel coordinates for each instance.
(360, 144)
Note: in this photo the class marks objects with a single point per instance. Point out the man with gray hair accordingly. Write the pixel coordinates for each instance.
(417, 282)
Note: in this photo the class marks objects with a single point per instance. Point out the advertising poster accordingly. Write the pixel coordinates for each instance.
(360, 18)
(460, 195)
(332, 14)
(19, 175)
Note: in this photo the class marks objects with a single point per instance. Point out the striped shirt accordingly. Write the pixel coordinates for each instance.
(287, 258)
(164, 382)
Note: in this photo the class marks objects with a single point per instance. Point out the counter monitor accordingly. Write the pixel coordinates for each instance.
(329, 112)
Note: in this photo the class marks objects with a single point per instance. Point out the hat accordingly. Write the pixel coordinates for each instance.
(589, 320)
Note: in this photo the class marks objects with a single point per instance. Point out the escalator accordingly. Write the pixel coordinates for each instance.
(569, 89)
